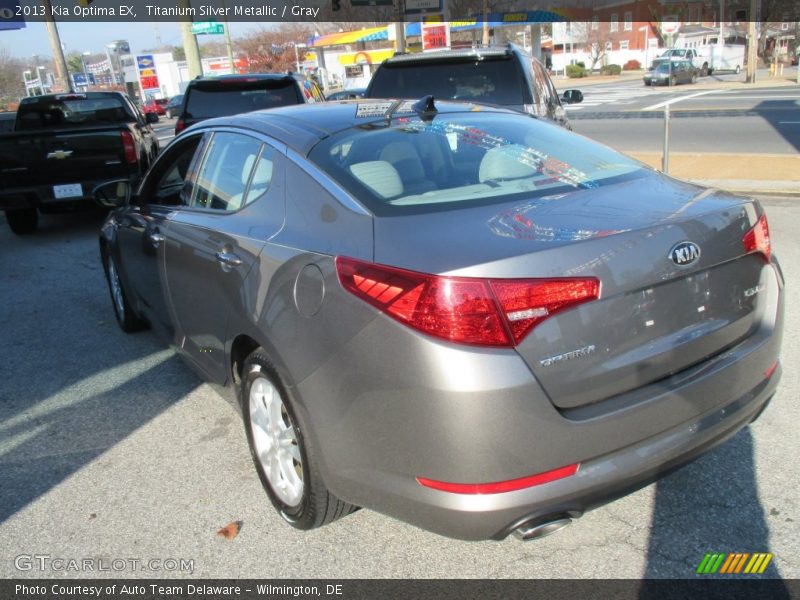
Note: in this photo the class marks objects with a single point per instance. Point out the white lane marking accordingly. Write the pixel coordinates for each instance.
(788, 122)
(678, 99)
(735, 97)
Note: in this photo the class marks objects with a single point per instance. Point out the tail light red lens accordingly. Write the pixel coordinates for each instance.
(484, 312)
(180, 125)
(129, 148)
(499, 487)
(757, 239)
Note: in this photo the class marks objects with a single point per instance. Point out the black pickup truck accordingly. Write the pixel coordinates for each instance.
(63, 145)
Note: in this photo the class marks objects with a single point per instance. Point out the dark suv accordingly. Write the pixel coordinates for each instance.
(507, 77)
(208, 97)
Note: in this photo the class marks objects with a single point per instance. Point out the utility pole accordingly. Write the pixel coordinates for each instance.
(228, 43)
(485, 40)
(190, 47)
(752, 43)
(400, 27)
(62, 73)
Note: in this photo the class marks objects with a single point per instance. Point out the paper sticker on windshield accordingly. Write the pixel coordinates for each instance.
(372, 109)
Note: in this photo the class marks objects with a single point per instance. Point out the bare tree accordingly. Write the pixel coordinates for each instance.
(12, 87)
(273, 50)
(598, 37)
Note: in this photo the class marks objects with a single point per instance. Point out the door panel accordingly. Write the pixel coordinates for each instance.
(210, 250)
(142, 227)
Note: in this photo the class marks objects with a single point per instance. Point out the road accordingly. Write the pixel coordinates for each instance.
(111, 448)
(629, 116)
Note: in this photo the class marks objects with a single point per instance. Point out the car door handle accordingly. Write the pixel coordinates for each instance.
(156, 237)
(228, 258)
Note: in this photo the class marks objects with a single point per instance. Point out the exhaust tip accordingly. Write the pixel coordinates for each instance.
(535, 531)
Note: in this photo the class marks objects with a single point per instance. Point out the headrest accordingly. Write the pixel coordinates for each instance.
(403, 157)
(379, 176)
(506, 162)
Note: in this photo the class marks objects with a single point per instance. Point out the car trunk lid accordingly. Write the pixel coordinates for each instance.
(654, 317)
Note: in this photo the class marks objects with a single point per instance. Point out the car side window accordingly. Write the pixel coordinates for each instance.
(235, 171)
(170, 181)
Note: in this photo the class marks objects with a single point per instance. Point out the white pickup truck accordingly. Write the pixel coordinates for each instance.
(708, 59)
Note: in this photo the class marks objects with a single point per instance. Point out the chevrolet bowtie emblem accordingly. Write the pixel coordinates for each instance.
(59, 154)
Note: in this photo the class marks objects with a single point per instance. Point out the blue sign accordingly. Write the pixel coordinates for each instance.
(9, 18)
(83, 79)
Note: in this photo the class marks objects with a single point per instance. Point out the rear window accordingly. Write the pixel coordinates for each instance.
(221, 98)
(465, 159)
(74, 111)
(489, 81)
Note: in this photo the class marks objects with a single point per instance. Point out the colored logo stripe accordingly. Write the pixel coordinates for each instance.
(734, 563)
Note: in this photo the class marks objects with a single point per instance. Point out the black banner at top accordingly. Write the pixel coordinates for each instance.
(497, 12)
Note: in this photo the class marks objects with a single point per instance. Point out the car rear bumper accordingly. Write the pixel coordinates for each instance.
(458, 415)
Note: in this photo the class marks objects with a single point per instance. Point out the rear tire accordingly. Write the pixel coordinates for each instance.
(282, 453)
(23, 221)
(127, 318)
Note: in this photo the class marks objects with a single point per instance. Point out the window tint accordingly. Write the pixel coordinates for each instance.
(170, 182)
(233, 164)
(73, 111)
(487, 81)
(218, 99)
(458, 159)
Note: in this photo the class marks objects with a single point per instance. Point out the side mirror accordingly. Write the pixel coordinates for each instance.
(151, 118)
(113, 194)
(572, 97)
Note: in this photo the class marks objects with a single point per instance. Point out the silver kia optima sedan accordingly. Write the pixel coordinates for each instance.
(471, 320)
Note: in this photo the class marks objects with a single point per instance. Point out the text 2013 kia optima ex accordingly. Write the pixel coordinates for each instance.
(462, 317)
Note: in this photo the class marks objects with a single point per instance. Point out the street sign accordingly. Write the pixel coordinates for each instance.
(83, 79)
(208, 28)
(420, 6)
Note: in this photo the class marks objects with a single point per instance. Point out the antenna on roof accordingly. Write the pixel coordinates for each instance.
(425, 107)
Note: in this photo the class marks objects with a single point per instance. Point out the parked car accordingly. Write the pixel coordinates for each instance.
(666, 73)
(459, 316)
(156, 105)
(208, 97)
(173, 107)
(346, 94)
(63, 145)
(505, 77)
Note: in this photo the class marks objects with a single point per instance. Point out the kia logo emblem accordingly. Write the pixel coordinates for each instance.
(684, 254)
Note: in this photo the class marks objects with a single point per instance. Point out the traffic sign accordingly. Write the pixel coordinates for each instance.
(208, 27)
(670, 24)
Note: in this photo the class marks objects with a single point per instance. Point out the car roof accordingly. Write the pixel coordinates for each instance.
(302, 126)
(492, 52)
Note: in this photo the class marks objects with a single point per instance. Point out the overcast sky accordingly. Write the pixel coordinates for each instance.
(92, 37)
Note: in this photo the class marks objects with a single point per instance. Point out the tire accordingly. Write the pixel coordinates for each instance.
(23, 221)
(704, 71)
(291, 475)
(127, 318)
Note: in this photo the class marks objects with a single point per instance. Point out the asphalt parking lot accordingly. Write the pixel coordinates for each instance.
(111, 448)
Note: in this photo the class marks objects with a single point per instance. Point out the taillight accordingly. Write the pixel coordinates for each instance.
(129, 147)
(180, 125)
(499, 487)
(757, 239)
(484, 312)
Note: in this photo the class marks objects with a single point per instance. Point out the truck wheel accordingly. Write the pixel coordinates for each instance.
(705, 71)
(22, 221)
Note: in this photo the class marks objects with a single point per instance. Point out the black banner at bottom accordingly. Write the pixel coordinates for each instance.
(384, 589)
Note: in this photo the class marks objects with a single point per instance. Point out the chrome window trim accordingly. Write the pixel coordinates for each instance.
(328, 183)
